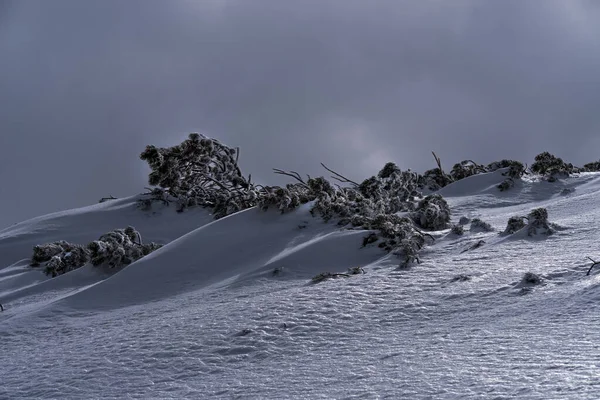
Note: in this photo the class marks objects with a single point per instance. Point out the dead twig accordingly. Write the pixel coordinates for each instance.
(111, 197)
(593, 265)
(438, 161)
(340, 177)
(293, 174)
(475, 246)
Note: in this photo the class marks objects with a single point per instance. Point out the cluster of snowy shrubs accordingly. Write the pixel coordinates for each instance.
(204, 172)
(535, 223)
(435, 179)
(113, 249)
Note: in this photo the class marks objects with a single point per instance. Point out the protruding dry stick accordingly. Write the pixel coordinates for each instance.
(293, 174)
(593, 265)
(339, 177)
(438, 161)
(111, 197)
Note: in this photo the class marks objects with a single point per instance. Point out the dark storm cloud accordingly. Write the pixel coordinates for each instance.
(84, 86)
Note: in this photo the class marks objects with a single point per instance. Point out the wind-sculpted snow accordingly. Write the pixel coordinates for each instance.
(211, 319)
(82, 225)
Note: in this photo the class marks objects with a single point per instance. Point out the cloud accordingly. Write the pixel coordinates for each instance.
(85, 86)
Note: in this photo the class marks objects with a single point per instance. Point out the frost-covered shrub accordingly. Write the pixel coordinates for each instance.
(59, 257)
(592, 167)
(355, 271)
(457, 230)
(119, 248)
(432, 213)
(434, 179)
(506, 184)
(551, 166)
(465, 169)
(203, 172)
(200, 172)
(513, 225)
(516, 169)
(537, 222)
(481, 226)
(529, 278)
(43, 253)
(284, 198)
(396, 234)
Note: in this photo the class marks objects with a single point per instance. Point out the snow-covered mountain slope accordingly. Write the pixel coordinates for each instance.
(226, 309)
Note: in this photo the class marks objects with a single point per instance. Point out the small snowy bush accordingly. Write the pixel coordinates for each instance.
(516, 169)
(549, 165)
(199, 172)
(434, 179)
(537, 222)
(529, 278)
(481, 226)
(432, 213)
(464, 220)
(592, 167)
(513, 225)
(59, 257)
(506, 184)
(466, 168)
(119, 248)
(457, 230)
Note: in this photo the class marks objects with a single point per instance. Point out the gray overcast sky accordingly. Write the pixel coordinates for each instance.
(85, 85)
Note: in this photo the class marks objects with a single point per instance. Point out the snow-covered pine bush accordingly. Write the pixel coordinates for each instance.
(464, 220)
(432, 213)
(200, 172)
(516, 170)
(513, 225)
(465, 169)
(592, 166)
(506, 184)
(59, 257)
(284, 198)
(551, 166)
(434, 179)
(529, 278)
(458, 230)
(119, 248)
(479, 225)
(44, 252)
(537, 222)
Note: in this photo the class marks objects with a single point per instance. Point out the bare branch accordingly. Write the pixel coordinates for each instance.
(438, 161)
(340, 177)
(111, 197)
(293, 174)
(593, 265)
